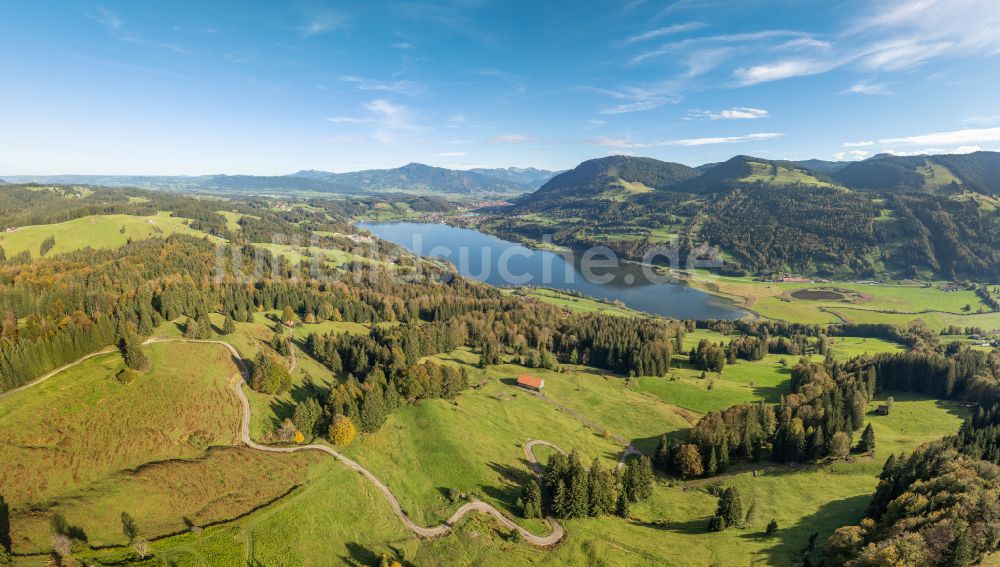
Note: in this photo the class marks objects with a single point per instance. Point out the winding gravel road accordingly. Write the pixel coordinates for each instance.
(551, 539)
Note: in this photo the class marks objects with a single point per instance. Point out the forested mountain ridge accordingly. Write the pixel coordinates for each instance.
(610, 177)
(905, 216)
(943, 174)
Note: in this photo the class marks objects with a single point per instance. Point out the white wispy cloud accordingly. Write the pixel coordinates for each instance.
(866, 88)
(627, 143)
(638, 98)
(851, 155)
(451, 154)
(786, 69)
(617, 143)
(954, 137)
(722, 140)
(930, 151)
(734, 113)
(804, 44)
(893, 36)
(666, 30)
(323, 22)
(693, 45)
(402, 87)
(982, 120)
(115, 26)
(402, 45)
(912, 31)
(861, 144)
(108, 19)
(511, 139)
(387, 121)
(348, 120)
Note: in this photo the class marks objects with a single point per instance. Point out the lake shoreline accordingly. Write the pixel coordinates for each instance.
(483, 254)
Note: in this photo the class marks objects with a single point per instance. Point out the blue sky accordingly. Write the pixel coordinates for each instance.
(268, 88)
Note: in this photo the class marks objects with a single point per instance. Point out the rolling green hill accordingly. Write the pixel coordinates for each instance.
(610, 178)
(745, 169)
(97, 231)
(944, 174)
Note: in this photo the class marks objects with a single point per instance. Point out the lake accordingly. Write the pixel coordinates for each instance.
(503, 263)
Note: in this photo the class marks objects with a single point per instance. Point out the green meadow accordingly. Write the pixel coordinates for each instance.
(163, 448)
(437, 450)
(96, 231)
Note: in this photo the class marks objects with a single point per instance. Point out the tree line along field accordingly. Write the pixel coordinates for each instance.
(433, 450)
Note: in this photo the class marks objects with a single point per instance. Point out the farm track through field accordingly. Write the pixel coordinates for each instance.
(627, 448)
(554, 537)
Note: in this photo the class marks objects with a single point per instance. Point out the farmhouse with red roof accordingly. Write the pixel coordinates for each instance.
(530, 382)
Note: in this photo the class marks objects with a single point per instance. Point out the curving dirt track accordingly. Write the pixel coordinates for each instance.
(554, 537)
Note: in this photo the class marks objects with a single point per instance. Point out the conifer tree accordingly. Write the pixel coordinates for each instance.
(867, 443)
(228, 326)
(307, 415)
(663, 459)
(622, 507)
(372, 412)
(531, 500)
(128, 345)
(560, 500)
(730, 507)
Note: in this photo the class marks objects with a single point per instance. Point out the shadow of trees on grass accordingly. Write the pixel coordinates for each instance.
(790, 542)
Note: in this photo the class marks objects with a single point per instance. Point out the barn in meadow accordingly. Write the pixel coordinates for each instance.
(530, 382)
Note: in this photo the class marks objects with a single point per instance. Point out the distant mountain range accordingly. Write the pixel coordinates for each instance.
(417, 177)
(410, 178)
(613, 177)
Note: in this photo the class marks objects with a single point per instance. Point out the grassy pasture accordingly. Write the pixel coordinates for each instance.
(473, 444)
(576, 304)
(744, 381)
(96, 231)
(845, 348)
(781, 175)
(295, 254)
(898, 304)
(85, 446)
(268, 411)
(462, 445)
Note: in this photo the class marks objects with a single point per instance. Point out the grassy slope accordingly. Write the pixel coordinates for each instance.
(83, 445)
(577, 304)
(98, 231)
(295, 256)
(268, 411)
(474, 445)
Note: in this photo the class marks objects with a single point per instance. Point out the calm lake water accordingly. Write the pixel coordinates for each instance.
(503, 263)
